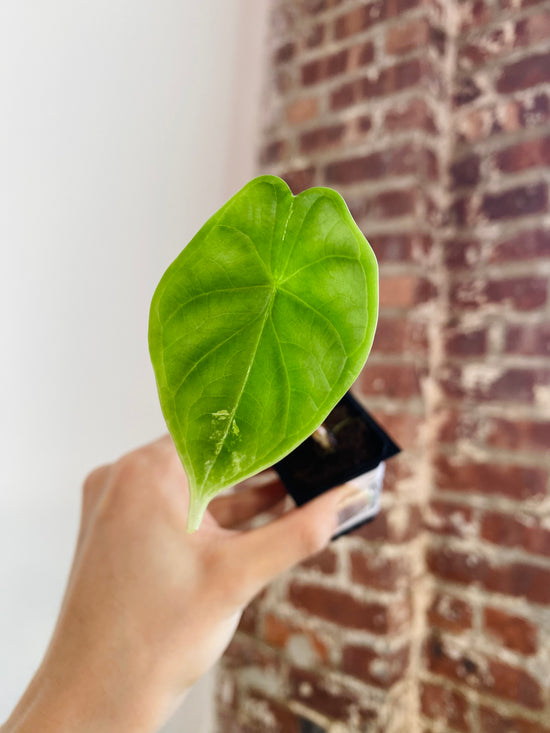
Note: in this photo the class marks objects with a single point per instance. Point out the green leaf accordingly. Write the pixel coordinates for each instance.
(258, 328)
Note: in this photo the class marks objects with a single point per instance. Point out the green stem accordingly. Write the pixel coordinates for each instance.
(197, 507)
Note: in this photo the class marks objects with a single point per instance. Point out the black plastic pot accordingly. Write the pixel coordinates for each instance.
(353, 447)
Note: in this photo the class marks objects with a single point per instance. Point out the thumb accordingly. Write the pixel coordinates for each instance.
(265, 552)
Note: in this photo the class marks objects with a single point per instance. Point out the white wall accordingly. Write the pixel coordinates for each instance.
(125, 124)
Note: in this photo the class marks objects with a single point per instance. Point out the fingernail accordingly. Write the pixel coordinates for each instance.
(352, 501)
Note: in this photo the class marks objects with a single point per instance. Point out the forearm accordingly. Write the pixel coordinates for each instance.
(87, 706)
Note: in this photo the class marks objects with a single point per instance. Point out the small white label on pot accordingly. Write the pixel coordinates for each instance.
(371, 484)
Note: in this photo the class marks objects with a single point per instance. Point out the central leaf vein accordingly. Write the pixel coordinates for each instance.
(231, 416)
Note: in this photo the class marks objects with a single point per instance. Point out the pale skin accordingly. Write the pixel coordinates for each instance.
(149, 608)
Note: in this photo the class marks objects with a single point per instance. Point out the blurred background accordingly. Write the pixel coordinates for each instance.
(125, 127)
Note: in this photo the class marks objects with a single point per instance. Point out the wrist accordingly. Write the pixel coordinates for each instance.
(52, 704)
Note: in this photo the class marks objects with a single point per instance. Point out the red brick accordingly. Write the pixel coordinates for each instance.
(376, 571)
(525, 73)
(527, 154)
(274, 152)
(398, 471)
(526, 245)
(493, 677)
(492, 43)
(445, 707)
(520, 580)
(524, 293)
(360, 55)
(450, 613)
(451, 425)
(393, 161)
(364, 123)
(393, 247)
(466, 91)
(399, 291)
(493, 722)
(299, 180)
(461, 253)
(302, 110)
(518, 201)
(465, 172)
(311, 7)
(514, 579)
(398, 525)
(392, 204)
(475, 125)
(358, 19)
(381, 670)
(343, 609)
(414, 114)
(403, 427)
(407, 36)
(396, 8)
(517, 434)
(512, 385)
(399, 335)
(528, 340)
(495, 42)
(509, 531)
(346, 95)
(520, 4)
(324, 562)
(390, 380)
(516, 385)
(532, 29)
(249, 619)
(474, 14)
(321, 138)
(450, 519)
(457, 567)
(324, 68)
(284, 53)
(467, 343)
(512, 631)
(402, 75)
(315, 36)
(490, 479)
(328, 698)
(279, 632)
(243, 651)
(515, 684)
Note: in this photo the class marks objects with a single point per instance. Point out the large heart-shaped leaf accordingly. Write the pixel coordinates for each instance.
(258, 328)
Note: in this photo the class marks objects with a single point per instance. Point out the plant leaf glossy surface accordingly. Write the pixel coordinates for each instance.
(258, 328)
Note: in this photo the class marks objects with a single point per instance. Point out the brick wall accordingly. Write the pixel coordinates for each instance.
(433, 120)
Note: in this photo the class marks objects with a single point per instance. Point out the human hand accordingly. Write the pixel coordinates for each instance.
(149, 608)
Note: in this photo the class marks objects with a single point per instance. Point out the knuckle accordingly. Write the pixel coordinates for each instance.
(95, 480)
(129, 469)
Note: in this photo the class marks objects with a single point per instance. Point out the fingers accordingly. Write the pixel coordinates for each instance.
(261, 554)
(234, 509)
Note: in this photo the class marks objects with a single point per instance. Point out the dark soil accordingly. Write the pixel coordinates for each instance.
(359, 444)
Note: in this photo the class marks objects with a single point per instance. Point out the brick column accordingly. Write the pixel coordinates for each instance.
(432, 120)
(488, 653)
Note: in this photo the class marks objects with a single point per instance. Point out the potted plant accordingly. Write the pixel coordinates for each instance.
(258, 329)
